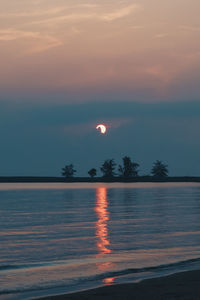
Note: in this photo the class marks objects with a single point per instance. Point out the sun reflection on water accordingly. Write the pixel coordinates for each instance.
(102, 234)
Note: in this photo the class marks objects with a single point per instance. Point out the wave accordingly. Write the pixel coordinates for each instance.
(159, 268)
(163, 269)
(32, 265)
(22, 266)
(130, 270)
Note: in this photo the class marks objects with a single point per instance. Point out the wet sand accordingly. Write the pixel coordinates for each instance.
(182, 286)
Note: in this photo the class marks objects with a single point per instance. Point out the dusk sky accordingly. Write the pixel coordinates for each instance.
(68, 65)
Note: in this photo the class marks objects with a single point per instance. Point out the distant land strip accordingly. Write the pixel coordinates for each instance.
(37, 179)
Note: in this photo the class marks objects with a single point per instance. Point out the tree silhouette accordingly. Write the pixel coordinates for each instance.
(159, 169)
(108, 168)
(68, 171)
(129, 168)
(92, 172)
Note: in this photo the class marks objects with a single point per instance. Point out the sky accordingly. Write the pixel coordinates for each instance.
(68, 65)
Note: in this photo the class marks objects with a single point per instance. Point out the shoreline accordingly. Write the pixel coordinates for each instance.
(182, 285)
(48, 179)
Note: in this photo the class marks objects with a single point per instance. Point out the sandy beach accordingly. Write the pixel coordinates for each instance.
(184, 285)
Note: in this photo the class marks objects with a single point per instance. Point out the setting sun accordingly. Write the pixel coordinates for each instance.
(102, 128)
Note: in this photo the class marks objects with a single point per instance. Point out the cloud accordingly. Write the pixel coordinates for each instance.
(104, 16)
(11, 34)
(87, 5)
(40, 38)
(69, 17)
(189, 28)
(120, 13)
(43, 41)
(81, 128)
(107, 16)
(161, 35)
(157, 131)
(46, 42)
(46, 12)
(37, 13)
(115, 114)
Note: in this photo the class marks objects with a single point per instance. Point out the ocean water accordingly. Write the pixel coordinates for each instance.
(59, 238)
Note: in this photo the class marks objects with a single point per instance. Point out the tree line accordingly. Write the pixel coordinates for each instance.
(127, 169)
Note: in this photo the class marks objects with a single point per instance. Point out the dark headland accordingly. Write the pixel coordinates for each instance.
(38, 179)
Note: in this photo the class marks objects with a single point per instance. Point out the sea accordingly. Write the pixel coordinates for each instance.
(58, 238)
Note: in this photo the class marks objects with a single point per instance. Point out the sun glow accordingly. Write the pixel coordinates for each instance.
(103, 243)
(103, 217)
(109, 280)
